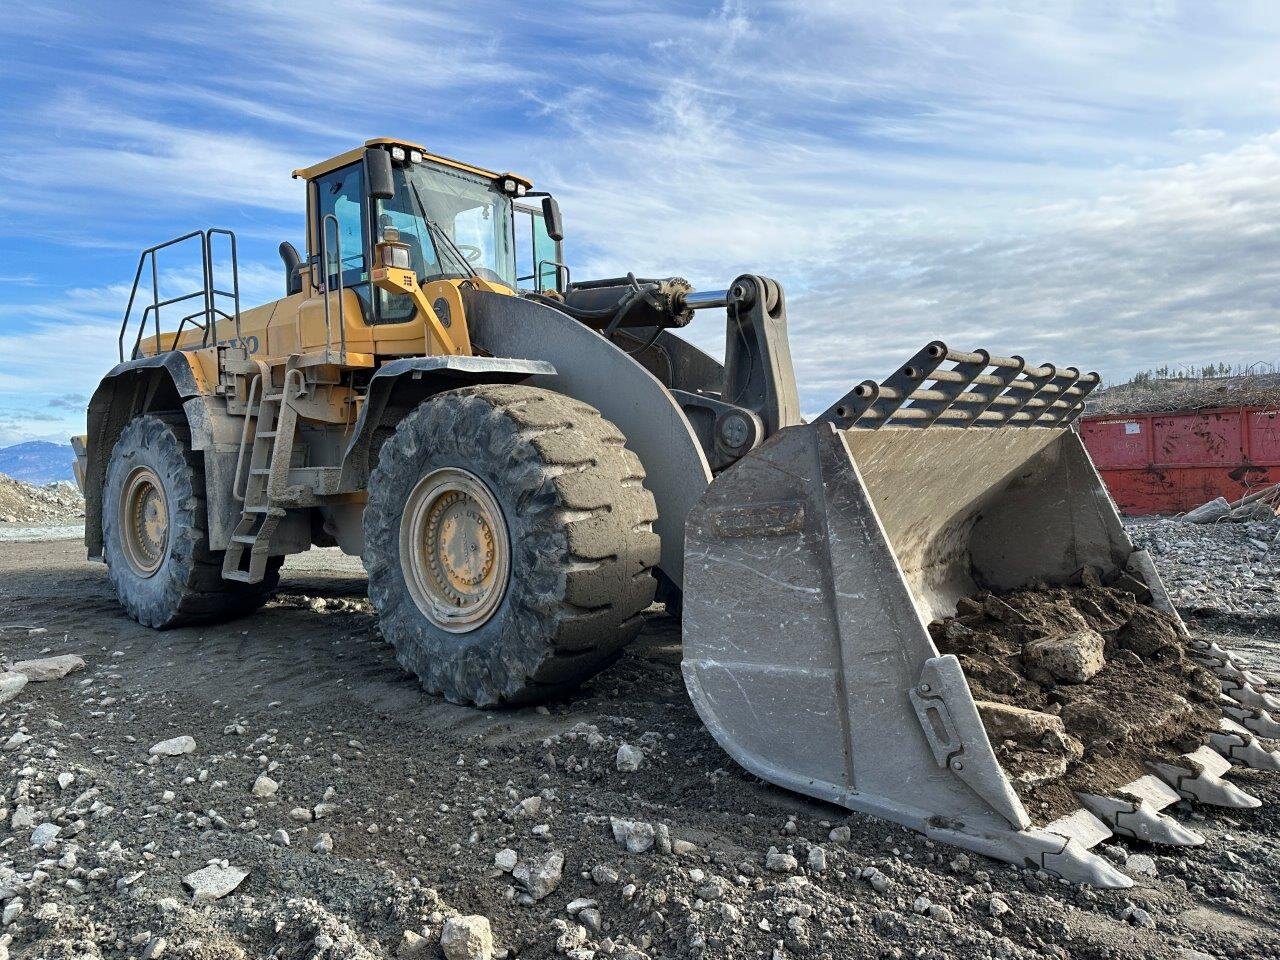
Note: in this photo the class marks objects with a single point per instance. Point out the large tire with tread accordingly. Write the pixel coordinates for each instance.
(578, 529)
(186, 585)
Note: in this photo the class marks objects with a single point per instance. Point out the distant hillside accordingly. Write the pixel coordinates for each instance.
(1158, 395)
(37, 461)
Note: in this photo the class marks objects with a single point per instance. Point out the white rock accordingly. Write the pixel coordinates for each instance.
(16, 741)
(155, 949)
(173, 747)
(817, 859)
(839, 835)
(506, 860)
(44, 834)
(11, 911)
(48, 668)
(324, 844)
(11, 684)
(24, 818)
(214, 881)
(635, 835)
(264, 786)
(65, 780)
(539, 878)
(780, 862)
(280, 838)
(467, 938)
(629, 758)
(1140, 863)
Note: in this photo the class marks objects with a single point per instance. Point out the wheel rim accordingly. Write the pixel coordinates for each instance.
(454, 549)
(144, 517)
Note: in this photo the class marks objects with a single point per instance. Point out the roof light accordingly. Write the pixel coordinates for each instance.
(397, 153)
(520, 189)
(509, 185)
(415, 156)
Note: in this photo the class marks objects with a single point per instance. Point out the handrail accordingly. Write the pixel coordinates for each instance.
(324, 266)
(208, 294)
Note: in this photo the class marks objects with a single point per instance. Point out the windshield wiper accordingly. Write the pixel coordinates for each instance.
(439, 231)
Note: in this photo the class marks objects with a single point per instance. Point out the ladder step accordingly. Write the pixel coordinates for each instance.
(241, 576)
(265, 433)
(244, 538)
(269, 511)
(260, 471)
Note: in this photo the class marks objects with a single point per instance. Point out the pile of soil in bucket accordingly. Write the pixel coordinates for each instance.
(1078, 687)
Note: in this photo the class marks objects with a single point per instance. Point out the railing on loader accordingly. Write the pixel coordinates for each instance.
(214, 302)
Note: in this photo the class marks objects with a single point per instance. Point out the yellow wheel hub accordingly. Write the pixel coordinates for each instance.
(144, 521)
(454, 549)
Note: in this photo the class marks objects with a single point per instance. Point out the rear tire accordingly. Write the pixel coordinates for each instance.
(154, 532)
(509, 544)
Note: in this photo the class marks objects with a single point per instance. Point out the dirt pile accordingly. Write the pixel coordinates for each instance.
(1078, 687)
(22, 502)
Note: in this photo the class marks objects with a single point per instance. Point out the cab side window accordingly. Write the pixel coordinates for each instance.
(340, 195)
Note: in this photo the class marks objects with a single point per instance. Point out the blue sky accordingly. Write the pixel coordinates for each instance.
(1065, 181)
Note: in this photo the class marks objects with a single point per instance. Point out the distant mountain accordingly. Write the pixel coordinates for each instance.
(38, 461)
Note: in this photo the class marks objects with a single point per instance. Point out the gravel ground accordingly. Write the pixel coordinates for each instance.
(393, 811)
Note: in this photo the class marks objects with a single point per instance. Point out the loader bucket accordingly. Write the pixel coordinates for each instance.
(815, 563)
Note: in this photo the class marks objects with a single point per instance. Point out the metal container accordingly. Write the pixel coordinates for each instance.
(1165, 463)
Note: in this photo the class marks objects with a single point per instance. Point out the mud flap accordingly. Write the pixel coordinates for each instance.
(807, 590)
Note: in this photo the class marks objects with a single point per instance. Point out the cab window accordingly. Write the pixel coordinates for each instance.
(538, 257)
(341, 195)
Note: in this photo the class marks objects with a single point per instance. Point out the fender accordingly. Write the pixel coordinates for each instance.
(401, 385)
(163, 382)
(591, 369)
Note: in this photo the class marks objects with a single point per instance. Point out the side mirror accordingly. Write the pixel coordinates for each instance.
(551, 218)
(377, 166)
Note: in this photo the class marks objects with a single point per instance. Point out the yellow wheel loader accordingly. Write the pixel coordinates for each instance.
(524, 459)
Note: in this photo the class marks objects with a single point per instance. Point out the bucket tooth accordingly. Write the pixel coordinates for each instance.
(1201, 779)
(1237, 744)
(1259, 722)
(1247, 696)
(1134, 812)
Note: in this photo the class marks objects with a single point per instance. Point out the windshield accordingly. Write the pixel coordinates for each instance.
(467, 224)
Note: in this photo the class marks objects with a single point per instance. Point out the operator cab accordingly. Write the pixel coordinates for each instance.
(391, 203)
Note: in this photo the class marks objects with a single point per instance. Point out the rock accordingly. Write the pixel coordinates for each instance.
(264, 786)
(155, 948)
(280, 838)
(505, 860)
(174, 747)
(921, 905)
(214, 882)
(48, 668)
(635, 835)
(467, 938)
(1138, 917)
(1140, 863)
(539, 877)
(11, 911)
(65, 780)
(602, 874)
(413, 946)
(1209, 512)
(324, 844)
(11, 684)
(839, 835)
(45, 833)
(629, 758)
(577, 905)
(1148, 633)
(16, 741)
(997, 907)
(301, 815)
(817, 859)
(24, 818)
(941, 914)
(1067, 658)
(780, 862)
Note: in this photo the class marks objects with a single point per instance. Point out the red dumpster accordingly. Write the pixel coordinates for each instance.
(1171, 462)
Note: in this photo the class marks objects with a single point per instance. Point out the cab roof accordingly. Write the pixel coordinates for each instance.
(351, 156)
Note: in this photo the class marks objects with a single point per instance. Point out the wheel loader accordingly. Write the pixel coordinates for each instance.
(525, 459)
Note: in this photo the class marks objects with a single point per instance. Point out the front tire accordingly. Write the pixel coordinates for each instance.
(154, 533)
(509, 543)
